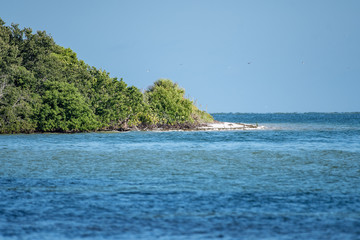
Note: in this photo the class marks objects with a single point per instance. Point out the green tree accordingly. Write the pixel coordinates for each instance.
(45, 87)
(108, 98)
(18, 108)
(65, 110)
(167, 100)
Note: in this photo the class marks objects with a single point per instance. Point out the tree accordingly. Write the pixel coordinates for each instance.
(45, 87)
(18, 108)
(65, 110)
(167, 100)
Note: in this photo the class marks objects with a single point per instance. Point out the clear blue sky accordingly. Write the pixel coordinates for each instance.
(229, 55)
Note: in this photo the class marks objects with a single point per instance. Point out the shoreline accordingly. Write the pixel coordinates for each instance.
(226, 126)
(214, 126)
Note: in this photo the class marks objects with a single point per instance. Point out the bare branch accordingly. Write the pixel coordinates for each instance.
(2, 85)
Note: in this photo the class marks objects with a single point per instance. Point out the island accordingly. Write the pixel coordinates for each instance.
(44, 87)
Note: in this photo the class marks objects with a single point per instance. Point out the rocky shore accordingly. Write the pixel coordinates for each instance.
(221, 126)
(214, 126)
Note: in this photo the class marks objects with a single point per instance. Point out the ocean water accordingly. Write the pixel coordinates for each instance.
(299, 178)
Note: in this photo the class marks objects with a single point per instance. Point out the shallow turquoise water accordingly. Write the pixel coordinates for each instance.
(299, 178)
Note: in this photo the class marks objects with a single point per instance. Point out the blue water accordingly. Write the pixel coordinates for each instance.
(297, 179)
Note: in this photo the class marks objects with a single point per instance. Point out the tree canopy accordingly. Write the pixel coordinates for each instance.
(46, 88)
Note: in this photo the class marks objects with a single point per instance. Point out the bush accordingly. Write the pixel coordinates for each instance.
(65, 110)
(167, 100)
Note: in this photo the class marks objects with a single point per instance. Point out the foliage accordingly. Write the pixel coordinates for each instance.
(65, 110)
(18, 108)
(45, 88)
(167, 100)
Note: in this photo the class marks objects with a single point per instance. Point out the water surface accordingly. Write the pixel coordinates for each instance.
(299, 178)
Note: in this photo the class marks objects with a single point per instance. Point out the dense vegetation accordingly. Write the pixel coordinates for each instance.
(46, 88)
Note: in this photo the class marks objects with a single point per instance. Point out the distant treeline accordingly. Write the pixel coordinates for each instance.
(46, 88)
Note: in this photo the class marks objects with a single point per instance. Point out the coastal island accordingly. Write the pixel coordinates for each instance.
(45, 88)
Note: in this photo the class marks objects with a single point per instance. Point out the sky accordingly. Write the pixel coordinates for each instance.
(244, 56)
